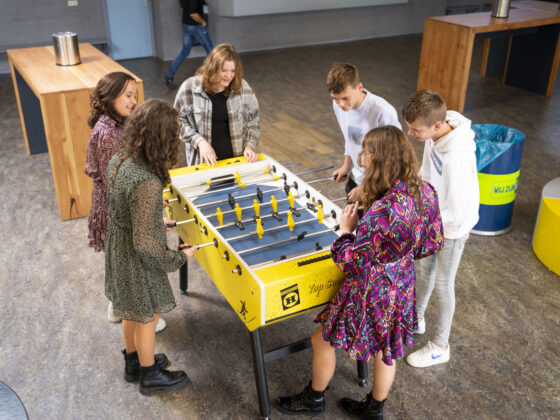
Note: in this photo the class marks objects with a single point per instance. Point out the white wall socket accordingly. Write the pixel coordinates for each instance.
(72, 3)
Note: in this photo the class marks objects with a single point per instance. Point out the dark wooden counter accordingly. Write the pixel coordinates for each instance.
(532, 50)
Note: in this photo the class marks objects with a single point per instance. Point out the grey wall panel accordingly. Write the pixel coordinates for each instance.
(263, 7)
(250, 33)
(32, 22)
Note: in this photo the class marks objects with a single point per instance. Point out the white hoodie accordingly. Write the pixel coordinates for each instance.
(450, 166)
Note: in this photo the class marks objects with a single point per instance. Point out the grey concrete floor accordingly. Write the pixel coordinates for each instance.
(62, 357)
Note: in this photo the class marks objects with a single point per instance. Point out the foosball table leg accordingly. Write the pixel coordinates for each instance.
(183, 275)
(260, 373)
(362, 373)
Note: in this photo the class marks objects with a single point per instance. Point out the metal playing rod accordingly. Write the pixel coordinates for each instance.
(234, 238)
(198, 246)
(315, 170)
(299, 237)
(272, 178)
(297, 254)
(330, 178)
(250, 207)
(244, 196)
(170, 225)
(168, 190)
(262, 217)
(233, 177)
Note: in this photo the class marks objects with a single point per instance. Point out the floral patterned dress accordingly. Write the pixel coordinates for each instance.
(103, 143)
(374, 309)
(137, 258)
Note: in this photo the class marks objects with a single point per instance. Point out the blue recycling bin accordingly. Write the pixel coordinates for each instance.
(498, 158)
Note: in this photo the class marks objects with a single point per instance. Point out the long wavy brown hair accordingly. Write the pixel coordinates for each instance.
(392, 157)
(211, 69)
(103, 96)
(151, 137)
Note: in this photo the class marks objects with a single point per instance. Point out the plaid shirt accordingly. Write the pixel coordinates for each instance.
(195, 112)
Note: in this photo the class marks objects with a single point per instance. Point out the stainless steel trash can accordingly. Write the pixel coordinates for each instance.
(66, 48)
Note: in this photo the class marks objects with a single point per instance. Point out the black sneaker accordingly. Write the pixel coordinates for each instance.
(308, 402)
(168, 82)
(368, 408)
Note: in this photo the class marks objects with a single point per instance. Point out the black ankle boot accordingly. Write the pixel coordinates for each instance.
(368, 408)
(308, 402)
(153, 378)
(132, 365)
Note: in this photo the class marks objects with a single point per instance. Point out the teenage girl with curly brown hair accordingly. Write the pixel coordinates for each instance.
(137, 258)
(112, 101)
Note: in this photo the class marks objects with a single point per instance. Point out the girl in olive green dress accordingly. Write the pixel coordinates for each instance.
(137, 258)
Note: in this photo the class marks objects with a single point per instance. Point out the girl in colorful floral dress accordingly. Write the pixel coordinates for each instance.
(373, 314)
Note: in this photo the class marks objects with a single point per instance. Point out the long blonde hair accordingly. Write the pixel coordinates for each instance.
(211, 69)
(392, 157)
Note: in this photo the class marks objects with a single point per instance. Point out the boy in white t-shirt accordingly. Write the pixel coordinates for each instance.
(357, 111)
(449, 164)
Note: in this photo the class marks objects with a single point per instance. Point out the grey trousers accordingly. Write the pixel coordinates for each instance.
(438, 272)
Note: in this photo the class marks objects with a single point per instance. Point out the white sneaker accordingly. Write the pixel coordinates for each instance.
(428, 355)
(161, 324)
(421, 328)
(111, 315)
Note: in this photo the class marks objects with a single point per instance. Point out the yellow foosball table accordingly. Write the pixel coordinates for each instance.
(264, 238)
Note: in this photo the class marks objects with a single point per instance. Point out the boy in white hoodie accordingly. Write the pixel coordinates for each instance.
(449, 164)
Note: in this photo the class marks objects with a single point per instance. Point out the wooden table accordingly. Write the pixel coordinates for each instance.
(53, 103)
(530, 58)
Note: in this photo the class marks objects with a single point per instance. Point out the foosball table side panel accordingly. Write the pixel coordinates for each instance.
(299, 285)
(236, 283)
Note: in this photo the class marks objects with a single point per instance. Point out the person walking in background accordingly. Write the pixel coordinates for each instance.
(137, 258)
(219, 111)
(195, 27)
(449, 164)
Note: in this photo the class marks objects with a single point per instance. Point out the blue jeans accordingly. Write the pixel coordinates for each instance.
(190, 33)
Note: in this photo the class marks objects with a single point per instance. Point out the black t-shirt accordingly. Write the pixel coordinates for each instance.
(192, 6)
(221, 138)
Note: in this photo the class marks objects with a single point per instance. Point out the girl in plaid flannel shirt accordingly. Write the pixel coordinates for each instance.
(218, 110)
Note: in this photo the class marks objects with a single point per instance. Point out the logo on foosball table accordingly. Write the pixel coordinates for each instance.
(290, 297)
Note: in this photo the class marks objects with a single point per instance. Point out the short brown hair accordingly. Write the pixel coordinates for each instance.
(211, 69)
(426, 105)
(342, 75)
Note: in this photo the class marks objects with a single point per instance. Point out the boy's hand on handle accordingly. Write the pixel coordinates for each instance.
(188, 249)
(355, 195)
(349, 218)
(207, 153)
(250, 154)
(340, 174)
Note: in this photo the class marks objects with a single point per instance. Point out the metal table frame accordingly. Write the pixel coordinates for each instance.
(260, 357)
